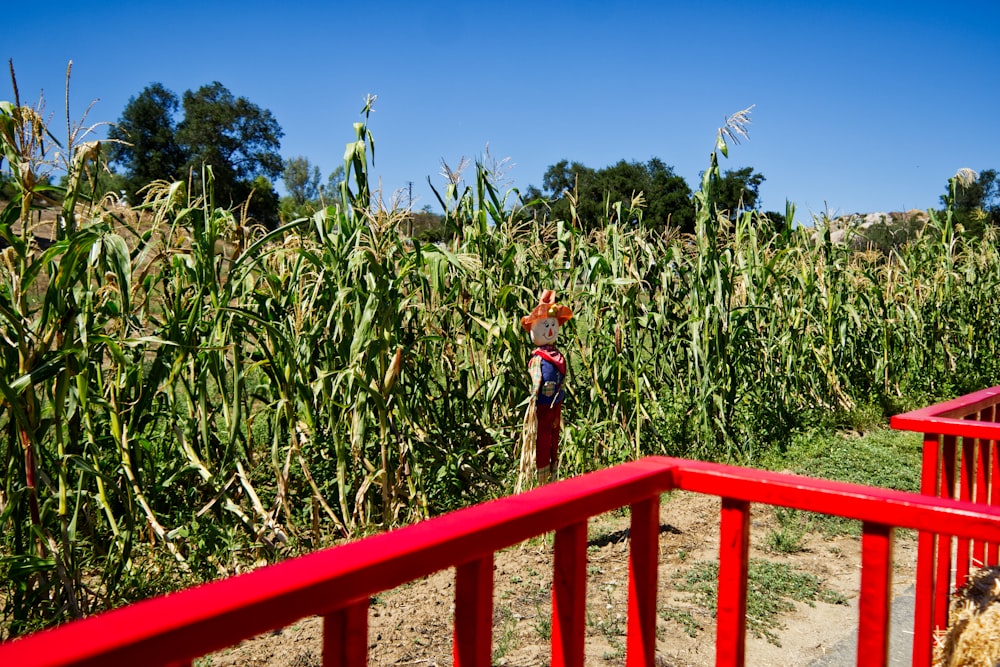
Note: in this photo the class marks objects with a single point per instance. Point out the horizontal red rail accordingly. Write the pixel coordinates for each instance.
(176, 628)
(337, 583)
(952, 417)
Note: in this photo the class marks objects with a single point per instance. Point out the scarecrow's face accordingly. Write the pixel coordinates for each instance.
(544, 331)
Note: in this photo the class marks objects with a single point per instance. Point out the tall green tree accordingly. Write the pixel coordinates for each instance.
(144, 142)
(301, 180)
(239, 140)
(235, 137)
(306, 194)
(975, 199)
(738, 190)
(665, 196)
(330, 192)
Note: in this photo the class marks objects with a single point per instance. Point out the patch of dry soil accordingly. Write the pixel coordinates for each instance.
(412, 625)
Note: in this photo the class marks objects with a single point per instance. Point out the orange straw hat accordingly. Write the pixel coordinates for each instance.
(547, 307)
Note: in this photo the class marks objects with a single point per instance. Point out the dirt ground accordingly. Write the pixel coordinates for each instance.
(412, 625)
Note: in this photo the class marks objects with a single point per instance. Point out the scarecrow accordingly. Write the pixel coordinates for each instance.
(547, 368)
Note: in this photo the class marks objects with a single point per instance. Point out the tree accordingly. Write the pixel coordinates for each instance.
(666, 197)
(305, 194)
(238, 139)
(330, 193)
(738, 190)
(233, 136)
(976, 199)
(426, 226)
(143, 142)
(669, 198)
(301, 180)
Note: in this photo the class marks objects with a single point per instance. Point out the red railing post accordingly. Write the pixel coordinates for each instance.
(942, 577)
(734, 549)
(966, 478)
(642, 567)
(982, 495)
(993, 549)
(876, 595)
(923, 603)
(345, 636)
(569, 595)
(473, 640)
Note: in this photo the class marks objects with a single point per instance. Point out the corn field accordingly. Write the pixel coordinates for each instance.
(187, 395)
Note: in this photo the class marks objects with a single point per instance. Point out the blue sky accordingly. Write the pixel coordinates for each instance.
(860, 106)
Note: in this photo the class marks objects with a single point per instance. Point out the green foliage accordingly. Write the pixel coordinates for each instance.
(738, 190)
(306, 194)
(891, 233)
(426, 226)
(237, 139)
(884, 458)
(301, 180)
(787, 537)
(684, 618)
(975, 199)
(144, 142)
(178, 376)
(656, 196)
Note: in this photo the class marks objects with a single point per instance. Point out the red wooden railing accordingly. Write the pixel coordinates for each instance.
(337, 583)
(960, 460)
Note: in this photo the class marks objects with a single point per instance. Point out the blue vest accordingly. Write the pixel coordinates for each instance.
(551, 392)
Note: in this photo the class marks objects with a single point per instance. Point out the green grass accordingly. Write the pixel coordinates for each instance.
(788, 537)
(684, 618)
(881, 458)
(772, 589)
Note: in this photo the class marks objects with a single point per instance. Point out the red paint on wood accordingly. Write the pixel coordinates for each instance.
(473, 642)
(642, 570)
(569, 595)
(336, 583)
(923, 620)
(876, 595)
(208, 618)
(965, 479)
(345, 636)
(734, 544)
(993, 549)
(982, 495)
(942, 574)
(973, 416)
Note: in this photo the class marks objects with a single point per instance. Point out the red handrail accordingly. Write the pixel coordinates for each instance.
(337, 583)
(960, 460)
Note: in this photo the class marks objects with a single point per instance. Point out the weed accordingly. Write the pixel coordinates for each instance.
(618, 651)
(883, 458)
(543, 624)
(504, 633)
(788, 537)
(771, 589)
(684, 617)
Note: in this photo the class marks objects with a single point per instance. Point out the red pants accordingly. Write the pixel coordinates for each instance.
(547, 444)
